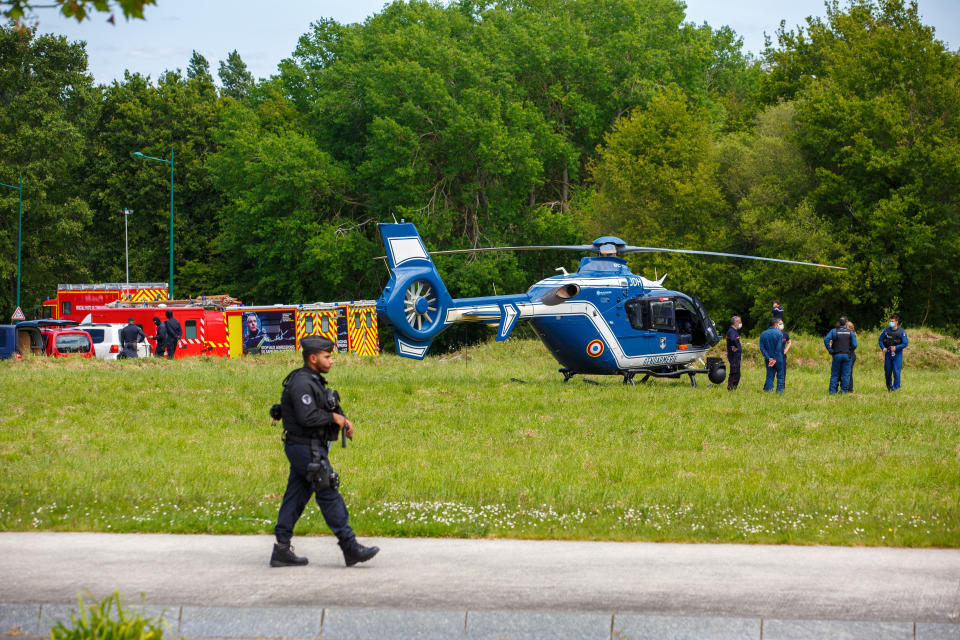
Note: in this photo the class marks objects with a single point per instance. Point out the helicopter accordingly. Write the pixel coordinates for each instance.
(600, 320)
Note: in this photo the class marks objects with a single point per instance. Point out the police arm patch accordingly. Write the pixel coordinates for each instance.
(306, 399)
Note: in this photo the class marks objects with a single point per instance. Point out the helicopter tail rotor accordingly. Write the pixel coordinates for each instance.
(415, 300)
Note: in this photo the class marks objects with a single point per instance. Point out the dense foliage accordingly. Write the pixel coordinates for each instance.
(501, 123)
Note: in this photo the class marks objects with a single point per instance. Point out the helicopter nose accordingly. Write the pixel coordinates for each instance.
(421, 305)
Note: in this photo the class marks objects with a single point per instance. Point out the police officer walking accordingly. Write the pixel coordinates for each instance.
(312, 417)
(771, 346)
(734, 352)
(130, 335)
(174, 331)
(840, 343)
(893, 340)
(160, 335)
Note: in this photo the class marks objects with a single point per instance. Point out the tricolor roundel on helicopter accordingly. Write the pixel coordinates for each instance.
(595, 348)
(628, 323)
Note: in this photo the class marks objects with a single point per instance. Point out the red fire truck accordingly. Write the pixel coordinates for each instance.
(74, 301)
(202, 320)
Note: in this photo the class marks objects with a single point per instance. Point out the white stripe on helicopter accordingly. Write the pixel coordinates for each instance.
(481, 313)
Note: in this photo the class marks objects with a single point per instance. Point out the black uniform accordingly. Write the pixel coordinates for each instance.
(130, 335)
(161, 338)
(734, 351)
(174, 331)
(776, 311)
(785, 338)
(308, 417)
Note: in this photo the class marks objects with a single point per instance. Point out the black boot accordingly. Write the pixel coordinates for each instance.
(359, 553)
(283, 556)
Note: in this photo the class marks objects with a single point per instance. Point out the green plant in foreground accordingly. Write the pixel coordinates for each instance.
(107, 621)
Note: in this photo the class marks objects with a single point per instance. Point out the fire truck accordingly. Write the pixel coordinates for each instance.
(74, 301)
(202, 319)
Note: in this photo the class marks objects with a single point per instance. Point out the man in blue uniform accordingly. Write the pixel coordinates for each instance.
(771, 346)
(174, 331)
(777, 310)
(312, 417)
(840, 343)
(130, 335)
(734, 352)
(893, 340)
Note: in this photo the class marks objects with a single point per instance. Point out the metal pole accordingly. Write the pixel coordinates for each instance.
(126, 244)
(170, 284)
(19, 235)
(19, 229)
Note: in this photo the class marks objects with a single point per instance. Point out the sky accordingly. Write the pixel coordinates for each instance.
(263, 36)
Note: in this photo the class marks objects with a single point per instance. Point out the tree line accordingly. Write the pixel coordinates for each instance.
(506, 122)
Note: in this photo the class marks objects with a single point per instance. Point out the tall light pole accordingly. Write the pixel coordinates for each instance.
(126, 245)
(19, 231)
(137, 154)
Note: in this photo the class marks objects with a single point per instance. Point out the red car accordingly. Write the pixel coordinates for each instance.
(65, 342)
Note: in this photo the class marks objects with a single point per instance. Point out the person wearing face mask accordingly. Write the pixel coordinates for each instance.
(734, 352)
(840, 343)
(893, 340)
(771, 347)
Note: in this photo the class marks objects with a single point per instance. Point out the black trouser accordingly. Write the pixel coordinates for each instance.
(734, 379)
(298, 494)
(171, 348)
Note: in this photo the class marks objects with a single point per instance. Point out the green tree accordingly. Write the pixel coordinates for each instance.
(236, 80)
(878, 120)
(46, 103)
(18, 10)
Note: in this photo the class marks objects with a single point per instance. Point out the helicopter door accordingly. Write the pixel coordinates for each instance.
(709, 328)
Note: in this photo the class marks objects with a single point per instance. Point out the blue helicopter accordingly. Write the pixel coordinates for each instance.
(601, 320)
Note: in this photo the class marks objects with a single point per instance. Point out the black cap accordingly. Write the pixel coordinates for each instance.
(130, 320)
(315, 344)
(156, 320)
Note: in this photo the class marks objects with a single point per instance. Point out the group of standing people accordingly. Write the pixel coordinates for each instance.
(840, 341)
(167, 335)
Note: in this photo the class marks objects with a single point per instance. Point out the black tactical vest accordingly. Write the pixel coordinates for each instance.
(843, 342)
(893, 337)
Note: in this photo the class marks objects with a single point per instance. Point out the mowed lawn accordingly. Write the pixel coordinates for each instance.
(452, 447)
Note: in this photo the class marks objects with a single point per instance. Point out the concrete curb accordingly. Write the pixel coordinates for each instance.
(36, 620)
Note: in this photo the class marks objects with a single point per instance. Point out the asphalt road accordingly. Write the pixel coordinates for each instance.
(748, 581)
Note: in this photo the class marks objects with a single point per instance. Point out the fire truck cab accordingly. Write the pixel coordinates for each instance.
(75, 301)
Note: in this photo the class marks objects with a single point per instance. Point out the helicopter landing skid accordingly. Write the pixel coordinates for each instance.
(567, 374)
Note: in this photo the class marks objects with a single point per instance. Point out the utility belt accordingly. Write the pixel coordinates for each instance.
(837, 353)
(320, 474)
(291, 438)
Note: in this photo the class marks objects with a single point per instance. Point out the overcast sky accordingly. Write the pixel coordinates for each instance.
(265, 33)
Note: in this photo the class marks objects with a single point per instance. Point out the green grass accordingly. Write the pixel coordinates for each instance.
(451, 447)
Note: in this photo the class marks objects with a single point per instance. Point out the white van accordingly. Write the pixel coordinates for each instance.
(106, 340)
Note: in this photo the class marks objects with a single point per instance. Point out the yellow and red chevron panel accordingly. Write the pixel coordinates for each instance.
(317, 321)
(362, 330)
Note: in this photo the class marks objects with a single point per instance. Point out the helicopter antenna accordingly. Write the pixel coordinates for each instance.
(563, 270)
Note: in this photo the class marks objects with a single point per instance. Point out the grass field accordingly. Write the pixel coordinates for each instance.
(451, 447)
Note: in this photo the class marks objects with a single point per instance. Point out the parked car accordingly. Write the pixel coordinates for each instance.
(106, 340)
(66, 342)
(19, 340)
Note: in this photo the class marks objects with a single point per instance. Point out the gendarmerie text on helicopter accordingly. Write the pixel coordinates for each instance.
(602, 319)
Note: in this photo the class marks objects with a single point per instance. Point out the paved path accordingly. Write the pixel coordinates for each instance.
(914, 592)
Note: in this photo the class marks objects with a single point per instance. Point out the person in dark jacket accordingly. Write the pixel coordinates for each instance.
(893, 340)
(777, 310)
(160, 337)
(311, 418)
(840, 343)
(785, 344)
(734, 352)
(174, 331)
(130, 335)
(771, 346)
(853, 356)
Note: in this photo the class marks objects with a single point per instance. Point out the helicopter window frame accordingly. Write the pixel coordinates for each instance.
(657, 320)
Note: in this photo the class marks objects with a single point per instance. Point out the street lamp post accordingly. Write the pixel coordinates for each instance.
(19, 230)
(126, 245)
(137, 154)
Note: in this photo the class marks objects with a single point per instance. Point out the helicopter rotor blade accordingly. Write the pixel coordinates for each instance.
(631, 249)
(558, 247)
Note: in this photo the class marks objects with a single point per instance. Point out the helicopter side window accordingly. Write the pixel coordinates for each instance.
(638, 314)
(661, 315)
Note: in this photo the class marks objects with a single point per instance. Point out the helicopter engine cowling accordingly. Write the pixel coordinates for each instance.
(561, 294)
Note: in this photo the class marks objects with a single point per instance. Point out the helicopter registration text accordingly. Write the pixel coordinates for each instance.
(664, 359)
